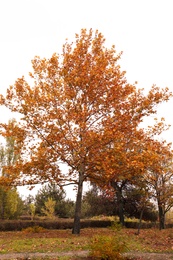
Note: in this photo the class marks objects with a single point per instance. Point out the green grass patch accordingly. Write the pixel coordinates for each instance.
(42, 245)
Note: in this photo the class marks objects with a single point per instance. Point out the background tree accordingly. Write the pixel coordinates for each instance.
(159, 176)
(125, 166)
(136, 200)
(32, 210)
(138, 203)
(128, 161)
(11, 205)
(49, 208)
(95, 202)
(49, 191)
(27, 205)
(63, 207)
(77, 104)
(10, 153)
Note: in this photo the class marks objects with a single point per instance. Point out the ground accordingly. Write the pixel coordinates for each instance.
(150, 244)
(82, 255)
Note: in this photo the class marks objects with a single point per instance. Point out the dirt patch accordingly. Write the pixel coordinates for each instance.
(149, 256)
(28, 256)
(83, 255)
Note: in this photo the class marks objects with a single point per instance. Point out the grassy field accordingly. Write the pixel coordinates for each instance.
(44, 241)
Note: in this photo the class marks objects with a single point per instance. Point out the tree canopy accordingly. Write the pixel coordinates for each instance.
(78, 106)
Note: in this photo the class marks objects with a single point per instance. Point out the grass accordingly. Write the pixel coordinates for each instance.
(45, 241)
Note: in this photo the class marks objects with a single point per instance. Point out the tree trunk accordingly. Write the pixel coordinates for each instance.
(76, 225)
(3, 205)
(140, 220)
(161, 218)
(120, 202)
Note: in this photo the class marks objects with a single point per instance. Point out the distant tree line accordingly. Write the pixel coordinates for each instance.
(95, 203)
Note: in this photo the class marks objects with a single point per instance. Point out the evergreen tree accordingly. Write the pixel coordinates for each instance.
(63, 208)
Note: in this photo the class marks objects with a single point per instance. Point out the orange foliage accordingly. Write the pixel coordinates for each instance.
(80, 110)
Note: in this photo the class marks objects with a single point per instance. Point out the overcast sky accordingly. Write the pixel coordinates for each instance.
(142, 29)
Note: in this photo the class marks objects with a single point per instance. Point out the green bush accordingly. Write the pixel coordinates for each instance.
(116, 226)
(107, 248)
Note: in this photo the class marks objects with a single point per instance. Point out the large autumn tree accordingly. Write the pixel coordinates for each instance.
(73, 108)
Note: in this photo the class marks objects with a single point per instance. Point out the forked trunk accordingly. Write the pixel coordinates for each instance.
(77, 216)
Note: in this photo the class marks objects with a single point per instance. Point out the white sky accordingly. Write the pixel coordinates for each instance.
(142, 29)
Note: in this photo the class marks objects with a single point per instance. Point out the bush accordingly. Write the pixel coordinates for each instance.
(95, 223)
(116, 226)
(34, 229)
(107, 248)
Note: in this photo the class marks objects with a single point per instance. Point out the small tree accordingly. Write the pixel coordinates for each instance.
(32, 210)
(49, 208)
(159, 176)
